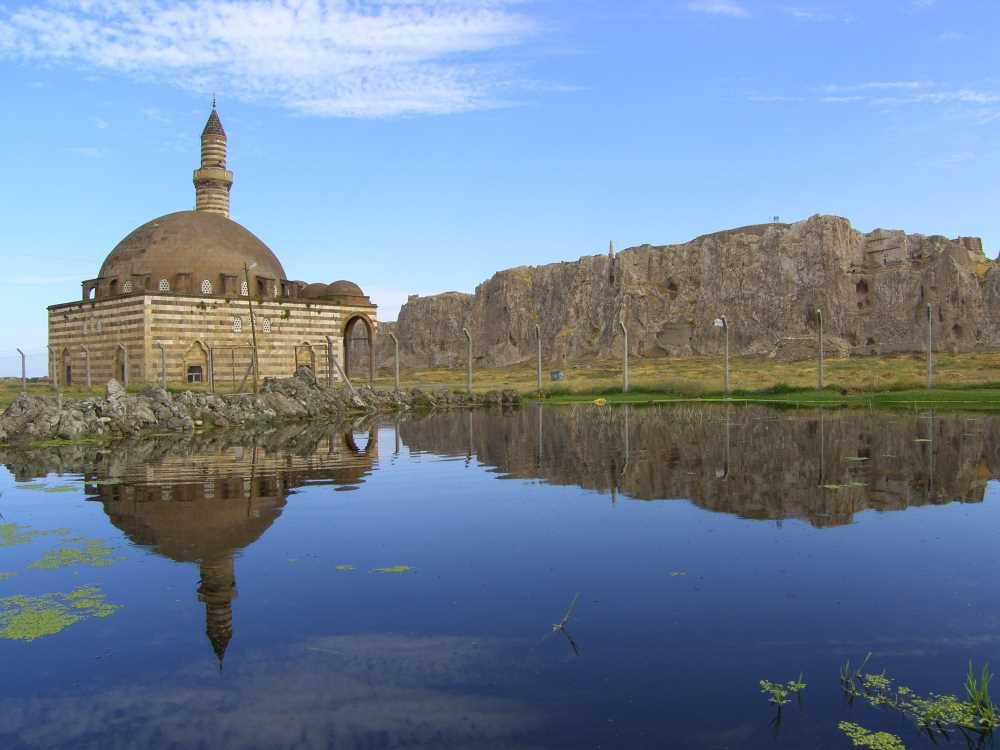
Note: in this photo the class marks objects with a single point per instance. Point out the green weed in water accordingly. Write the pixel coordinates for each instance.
(935, 714)
(61, 488)
(861, 737)
(345, 568)
(394, 569)
(26, 618)
(91, 552)
(4, 575)
(30, 486)
(779, 693)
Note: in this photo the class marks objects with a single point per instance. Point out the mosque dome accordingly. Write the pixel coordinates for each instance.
(200, 245)
(342, 292)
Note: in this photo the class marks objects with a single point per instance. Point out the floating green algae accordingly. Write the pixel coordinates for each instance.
(30, 486)
(4, 575)
(12, 534)
(394, 570)
(60, 488)
(345, 568)
(26, 618)
(92, 552)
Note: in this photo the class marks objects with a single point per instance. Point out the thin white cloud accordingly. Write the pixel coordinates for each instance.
(878, 86)
(367, 58)
(719, 8)
(814, 14)
(89, 152)
(100, 123)
(155, 114)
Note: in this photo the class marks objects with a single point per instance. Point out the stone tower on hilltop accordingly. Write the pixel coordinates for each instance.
(212, 181)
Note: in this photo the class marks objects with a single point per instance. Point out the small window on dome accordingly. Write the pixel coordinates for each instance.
(206, 286)
(127, 286)
(265, 325)
(244, 289)
(237, 325)
(164, 285)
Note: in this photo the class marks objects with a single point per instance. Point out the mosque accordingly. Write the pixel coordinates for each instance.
(193, 296)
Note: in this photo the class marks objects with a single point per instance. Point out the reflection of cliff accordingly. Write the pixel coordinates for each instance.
(201, 499)
(756, 463)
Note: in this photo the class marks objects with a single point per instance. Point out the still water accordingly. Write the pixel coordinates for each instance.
(224, 591)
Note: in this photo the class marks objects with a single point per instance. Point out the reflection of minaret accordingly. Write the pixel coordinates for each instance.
(217, 590)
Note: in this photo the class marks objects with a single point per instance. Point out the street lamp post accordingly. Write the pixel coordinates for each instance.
(930, 355)
(819, 314)
(722, 323)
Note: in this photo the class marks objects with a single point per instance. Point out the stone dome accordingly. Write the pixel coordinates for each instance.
(339, 292)
(344, 288)
(199, 245)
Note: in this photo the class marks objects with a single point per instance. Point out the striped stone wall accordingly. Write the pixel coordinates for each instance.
(194, 331)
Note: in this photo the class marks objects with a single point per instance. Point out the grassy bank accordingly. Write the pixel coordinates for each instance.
(964, 381)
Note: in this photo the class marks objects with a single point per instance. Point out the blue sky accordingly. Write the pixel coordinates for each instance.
(421, 145)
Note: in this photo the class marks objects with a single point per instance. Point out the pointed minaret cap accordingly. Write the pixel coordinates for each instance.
(214, 125)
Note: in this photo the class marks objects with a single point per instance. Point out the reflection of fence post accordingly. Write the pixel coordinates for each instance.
(395, 344)
(24, 373)
(86, 360)
(819, 314)
(468, 371)
(163, 363)
(625, 372)
(930, 355)
(538, 374)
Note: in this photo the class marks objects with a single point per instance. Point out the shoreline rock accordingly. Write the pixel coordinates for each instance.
(300, 397)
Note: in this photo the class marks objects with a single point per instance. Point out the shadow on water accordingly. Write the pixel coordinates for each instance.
(681, 610)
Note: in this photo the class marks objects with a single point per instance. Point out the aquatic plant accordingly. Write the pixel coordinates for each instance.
(935, 714)
(344, 568)
(26, 618)
(861, 737)
(92, 552)
(4, 575)
(561, 625)
(779, 693)
(393, 569)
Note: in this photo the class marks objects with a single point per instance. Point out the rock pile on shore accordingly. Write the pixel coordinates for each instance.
(34, 418)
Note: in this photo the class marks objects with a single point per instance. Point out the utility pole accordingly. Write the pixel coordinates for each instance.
(625, 371)
(24, 373)
(722, 323)
(395, 343)
(253, 326)
(468, 372)
(930, 350)
(538, 374)
(819, 314)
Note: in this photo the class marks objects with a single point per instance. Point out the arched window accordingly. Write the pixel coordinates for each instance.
(127, 286)
(195, 374)
(164, 285)
(237, 325)
(244, 289)
(265, 325)
(206, 286)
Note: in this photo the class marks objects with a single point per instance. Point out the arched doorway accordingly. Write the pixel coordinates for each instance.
(120, 370)
(196, 364)
(359, 348)
(67, 367)
(305, 356)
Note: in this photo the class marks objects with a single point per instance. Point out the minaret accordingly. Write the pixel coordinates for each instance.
(212, 180)
(217, 591)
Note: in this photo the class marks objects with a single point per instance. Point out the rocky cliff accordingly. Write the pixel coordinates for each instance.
(767, 280)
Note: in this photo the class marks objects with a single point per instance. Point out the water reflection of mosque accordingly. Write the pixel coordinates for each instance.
(204, 505)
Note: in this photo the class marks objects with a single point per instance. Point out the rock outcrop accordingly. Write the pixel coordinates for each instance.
(36, 418)
(768, 281)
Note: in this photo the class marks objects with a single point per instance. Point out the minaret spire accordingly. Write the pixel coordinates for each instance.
(212, 181)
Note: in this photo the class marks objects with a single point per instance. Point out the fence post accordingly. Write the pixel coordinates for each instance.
(329, 360)
(538, 339)
(86, 359)
(395, 344)
(24, 373)
(819, 314)
(163, 364)
(211, 369)
(54, 368)
(468, 370)
(930, 355)
(625, 372)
